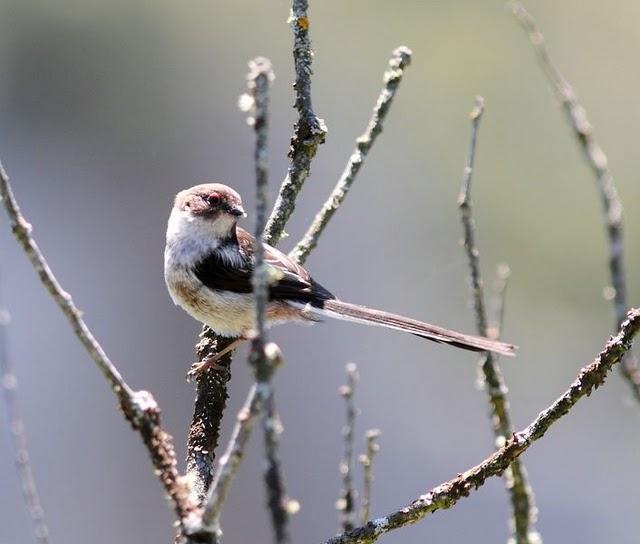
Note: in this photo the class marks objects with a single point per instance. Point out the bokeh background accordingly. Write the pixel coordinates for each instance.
(109, 108)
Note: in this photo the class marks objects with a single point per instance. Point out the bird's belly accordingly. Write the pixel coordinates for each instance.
(228, 314)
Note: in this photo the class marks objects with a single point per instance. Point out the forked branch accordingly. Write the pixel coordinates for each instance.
(520, 492)
(597, 161)
(139, 407)
(400, 59)
(309, 131)
(449, 493)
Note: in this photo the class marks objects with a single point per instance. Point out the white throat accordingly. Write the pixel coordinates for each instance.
(190, 237)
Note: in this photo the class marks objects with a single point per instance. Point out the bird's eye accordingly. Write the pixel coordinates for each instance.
(213, 200)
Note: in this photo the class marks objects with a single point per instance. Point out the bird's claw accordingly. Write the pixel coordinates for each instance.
(199, 368)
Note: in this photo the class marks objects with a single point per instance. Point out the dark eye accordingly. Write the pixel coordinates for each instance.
(213, 200)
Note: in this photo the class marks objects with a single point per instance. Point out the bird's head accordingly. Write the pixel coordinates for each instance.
(213, 206)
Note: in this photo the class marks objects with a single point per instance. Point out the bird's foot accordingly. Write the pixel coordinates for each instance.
(199, 368)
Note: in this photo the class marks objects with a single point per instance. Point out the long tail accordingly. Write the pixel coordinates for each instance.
(361, 314)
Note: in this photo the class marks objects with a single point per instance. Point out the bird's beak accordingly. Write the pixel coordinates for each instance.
(238, 211)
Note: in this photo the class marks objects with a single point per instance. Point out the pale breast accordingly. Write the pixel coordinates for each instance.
(228, 314)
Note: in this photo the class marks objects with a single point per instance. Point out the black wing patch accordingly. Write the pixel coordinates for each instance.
(229, 268)
(216, 272)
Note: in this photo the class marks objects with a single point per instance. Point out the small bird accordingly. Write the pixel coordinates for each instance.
(208, 264)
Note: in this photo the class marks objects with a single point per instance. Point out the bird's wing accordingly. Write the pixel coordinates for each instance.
(229, 268)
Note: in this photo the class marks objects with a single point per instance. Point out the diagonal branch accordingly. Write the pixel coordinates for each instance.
(523, 500)
(9, 385)
(520, 492)
(400, 59)
(449, 493)
(139, 407)
(597, 160)
(309, 131)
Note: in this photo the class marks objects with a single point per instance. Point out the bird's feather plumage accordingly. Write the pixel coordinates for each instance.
(228, 267)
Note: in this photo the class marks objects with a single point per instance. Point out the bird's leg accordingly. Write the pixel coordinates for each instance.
(212, 362)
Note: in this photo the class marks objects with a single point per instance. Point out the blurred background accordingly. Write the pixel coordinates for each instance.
(108, 109)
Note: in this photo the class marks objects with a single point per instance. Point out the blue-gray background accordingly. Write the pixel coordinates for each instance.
(108, 109)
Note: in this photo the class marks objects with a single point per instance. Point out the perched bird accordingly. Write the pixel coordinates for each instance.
(208, 263)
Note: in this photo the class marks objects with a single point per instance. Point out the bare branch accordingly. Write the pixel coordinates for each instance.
(263, 357)
(139, 407)
(280, 506)
(9, 385)
(259, 81)
(234, 453)
(230, 461)
(366, 459)
(346, 502)
(309, 131)
(449, 493)
(464, 203)
(400, 59)
(521, 495)
(503, 273)
(516, 479)
(209, 406)
(260, 77)
(22, 231)
(597, 160)
(211, 387)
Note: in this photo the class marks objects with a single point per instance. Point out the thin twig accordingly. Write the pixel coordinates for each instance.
(229, 464)
(263, 357)
(259, 79)
(449, 493)
(400, 59)
(464, 203)
(230, 461)
(503, 273)
(9, 385)
(346, 502)
(309, 131)
(139, 407)
(211, 390)
(516, 478)
(366, 459)
(279, 504)
(22, 231)
(521, 495)
(597, 160)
